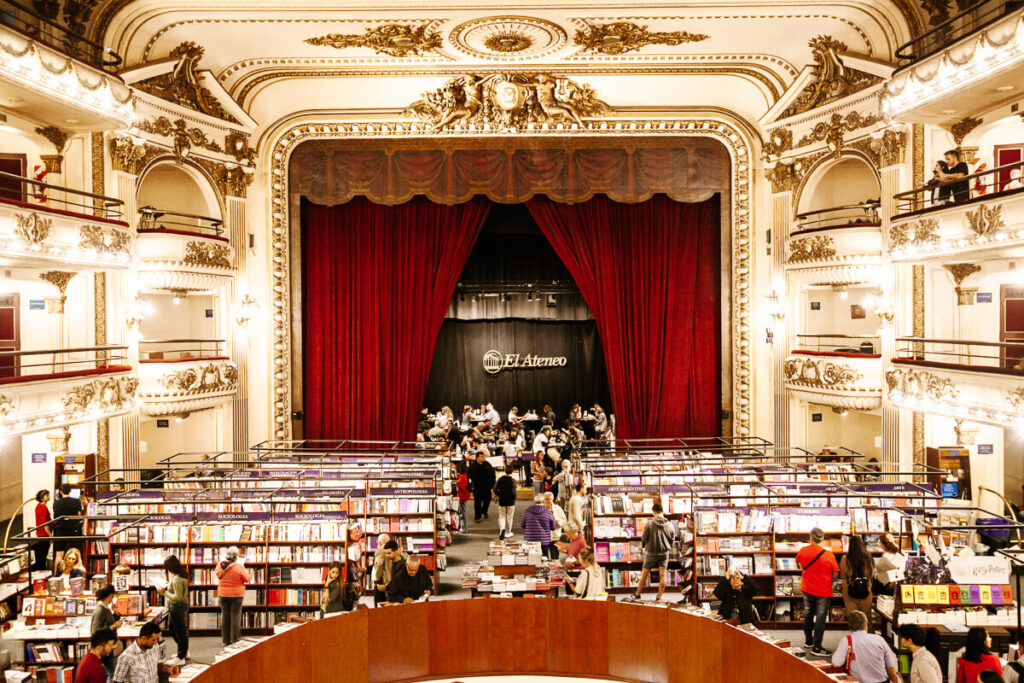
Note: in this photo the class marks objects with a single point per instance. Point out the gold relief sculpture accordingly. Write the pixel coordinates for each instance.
(32, 229)
(507, 102)
(184, 137)
(56, 136)
(394, 40)
(985, 220)
(834, 130)
(919, 384)
(821, 374)
(236, 144)
(832, 80)
(101, 394)
(961, 271)
(125, 155)
(962, 128)
(621, 37)
(208, 378)
(1016, 398)
(508, 42)
(231, 181)
(914, 233)
(889, 148)
(779, 140)
(814, 248)
(104, 239)
(8, 405)
(207, 255)
(57, 278)
(183, 86)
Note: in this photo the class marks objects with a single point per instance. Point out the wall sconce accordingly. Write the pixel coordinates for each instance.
(246, 310)
(776, 309)
(885, 312)
(135, 313)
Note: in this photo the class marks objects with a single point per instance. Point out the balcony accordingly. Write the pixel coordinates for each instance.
(953, 70)
(841, 370)
(51, 388)
(180, 376)
(970, 380)
(839, 245)
(52, 73)
(182, 252)
(44, 225)
(983, 217)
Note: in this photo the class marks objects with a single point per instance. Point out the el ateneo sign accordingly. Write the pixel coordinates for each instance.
(495, 361)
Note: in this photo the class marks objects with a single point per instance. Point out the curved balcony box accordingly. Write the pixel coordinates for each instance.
(171, 387)
(172, 259)
(43, 237)
(835, 256)
(983, 225)
(978, 394)
(843, 380)
(37, 402)
(962, 80)
(49, 86)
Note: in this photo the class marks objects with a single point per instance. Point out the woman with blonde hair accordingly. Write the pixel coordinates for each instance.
(590, 583)
(71, 564)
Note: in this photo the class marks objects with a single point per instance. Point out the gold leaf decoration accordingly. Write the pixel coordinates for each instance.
(207, 255)
(394, 40)
(32, 229)
(821, 374)
(104, 239)
(183, 86)
(203, 379)
(832, 80)
(184, 137)
(914, 233)
(986, 220)
(621, 37)
(814, 248)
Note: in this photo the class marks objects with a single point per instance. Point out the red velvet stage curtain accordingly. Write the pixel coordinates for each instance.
(650, 274)
(376, 283)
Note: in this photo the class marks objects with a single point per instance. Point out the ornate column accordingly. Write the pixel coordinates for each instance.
(237, 319)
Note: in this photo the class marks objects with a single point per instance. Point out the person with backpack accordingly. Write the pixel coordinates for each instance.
(857, 570)
(1013, 672)
(865, 656)
(818, 565)
(657, 540)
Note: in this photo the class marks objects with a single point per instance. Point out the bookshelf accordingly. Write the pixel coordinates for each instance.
(74, 470)
(15, 582)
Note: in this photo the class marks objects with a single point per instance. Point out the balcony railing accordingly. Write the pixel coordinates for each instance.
(861, 215)
(973, 188)
(152, 219)
(27, 366)
(844, 344)
(34, 194)
(175, 350)
(948, 32)
(46, 29)
(960, 354)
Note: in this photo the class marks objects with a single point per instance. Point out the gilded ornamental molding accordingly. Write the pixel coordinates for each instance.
(832, 79)
(1015, 398)
(32, 229)
(507, 102)
(184, 138)
(203, 379)
(112, 393)
(962, 128)
(986, 220)
(920, 384)
(8, 405)
(833, 131)
(394, 40)
(104, 240)
(813, 248)
(621, 37)
(508, 38)
(207, 254)
(914, 233)
(818, 373)
(126, 155)
(183, 85)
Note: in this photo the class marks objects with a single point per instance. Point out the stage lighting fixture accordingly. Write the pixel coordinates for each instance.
(503, 298)
(529, 296)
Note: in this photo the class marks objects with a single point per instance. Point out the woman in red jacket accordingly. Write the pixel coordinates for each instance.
(464, 494)
(977, 657)
(42, 547)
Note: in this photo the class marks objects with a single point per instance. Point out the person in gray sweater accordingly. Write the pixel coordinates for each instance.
(176, 595)
(106, 618)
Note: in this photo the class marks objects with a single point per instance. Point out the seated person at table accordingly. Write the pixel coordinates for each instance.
(409, 582)
(737, 594)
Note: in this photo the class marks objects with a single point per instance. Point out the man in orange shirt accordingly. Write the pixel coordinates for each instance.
(819, 565)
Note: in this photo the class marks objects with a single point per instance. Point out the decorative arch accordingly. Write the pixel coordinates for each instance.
(278, 145)
(198, 173)
(821, 163)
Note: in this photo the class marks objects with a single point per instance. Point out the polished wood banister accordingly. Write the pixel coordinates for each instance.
(509, 636)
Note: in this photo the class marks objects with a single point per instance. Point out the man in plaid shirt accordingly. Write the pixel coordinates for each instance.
(140, 661)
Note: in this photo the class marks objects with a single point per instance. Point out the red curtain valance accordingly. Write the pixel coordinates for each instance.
(511, 170)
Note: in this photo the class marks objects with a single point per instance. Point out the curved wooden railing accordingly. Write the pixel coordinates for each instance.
(509, 636)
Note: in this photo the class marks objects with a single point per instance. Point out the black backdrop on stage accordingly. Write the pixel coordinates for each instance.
(457, 375)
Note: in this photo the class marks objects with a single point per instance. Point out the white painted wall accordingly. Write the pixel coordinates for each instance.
(199, 432)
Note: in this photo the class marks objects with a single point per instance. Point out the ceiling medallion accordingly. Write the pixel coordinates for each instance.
(621, 37)
(394, 40)
(510, 102)
(508, 37)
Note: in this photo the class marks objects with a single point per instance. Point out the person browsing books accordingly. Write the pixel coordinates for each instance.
(576, 544)
(66, 529)
(590, 583)
(866, 656)
(506, 490)
(383, 570)
(339, 595)
(736, 593)
(857, 571)
(101, 646)
(560, 521)
(577, 503)
(977, 657)
(232, 576)
(175, 593)
(410, 583)
(140, 661)
(70, 565)
(538, 522)
(818, 565)
(924, 668)
(105, 616)
(657, 540)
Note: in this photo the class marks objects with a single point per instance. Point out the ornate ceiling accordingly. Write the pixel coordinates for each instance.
(330, 56)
